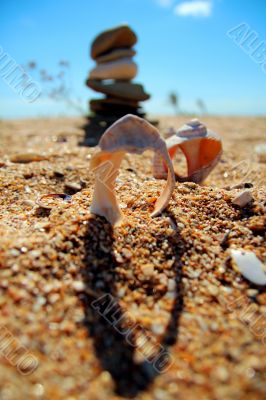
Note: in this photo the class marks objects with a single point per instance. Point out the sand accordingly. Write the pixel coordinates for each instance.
(184, 323)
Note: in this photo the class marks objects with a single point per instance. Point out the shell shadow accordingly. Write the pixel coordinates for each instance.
(114, 341)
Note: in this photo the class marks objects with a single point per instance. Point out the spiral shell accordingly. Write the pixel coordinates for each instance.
(201, 147)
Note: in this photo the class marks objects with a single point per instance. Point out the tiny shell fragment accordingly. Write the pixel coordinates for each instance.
(49, 204)
(24, 158)
(249, 266)
(243, 199)
(133, 135)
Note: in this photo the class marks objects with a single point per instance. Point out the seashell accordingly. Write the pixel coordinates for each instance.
(130, 134)
(169, 132)
(48, 205)
(201, 147)
(249, 266)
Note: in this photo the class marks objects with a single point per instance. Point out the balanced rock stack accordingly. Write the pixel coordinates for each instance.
(112, 50)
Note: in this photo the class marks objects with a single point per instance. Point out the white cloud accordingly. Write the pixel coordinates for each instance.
(196, 8)
(165, 3)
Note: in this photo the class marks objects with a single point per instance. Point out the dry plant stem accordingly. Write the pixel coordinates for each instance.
(133, 135)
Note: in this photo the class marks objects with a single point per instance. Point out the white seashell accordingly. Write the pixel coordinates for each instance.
(201, 147)
(249, 266)
(133, 135)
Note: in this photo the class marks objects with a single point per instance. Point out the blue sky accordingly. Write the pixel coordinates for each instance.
(182, 46)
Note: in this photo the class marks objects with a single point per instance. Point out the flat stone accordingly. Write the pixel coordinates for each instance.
(109, 104)
(119, 36)
(116, 112)
(115, 55)
(107, 108)
(124, 90)
(124, 68)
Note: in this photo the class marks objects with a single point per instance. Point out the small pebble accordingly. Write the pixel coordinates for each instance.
(25, 158)
(213, 290)
(121, 292)
(127, 253)
(28, 203)
(252, 292)
(78, 286)
(157, 329)
(14, 252)
(243, 199)
(38, 390)
(222, 373)
(163, 279)
(76, 187)
(147, 269)
(261, 152)
(171, 285)
(118, 257)
(58, 174)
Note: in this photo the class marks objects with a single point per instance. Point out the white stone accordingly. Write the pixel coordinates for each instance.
(124, 68)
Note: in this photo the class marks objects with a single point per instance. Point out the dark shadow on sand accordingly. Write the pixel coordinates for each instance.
(115, 349)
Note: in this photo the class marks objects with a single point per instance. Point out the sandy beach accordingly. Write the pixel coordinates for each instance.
(171, 276)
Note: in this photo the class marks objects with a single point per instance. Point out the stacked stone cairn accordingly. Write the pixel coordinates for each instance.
(112, 50)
